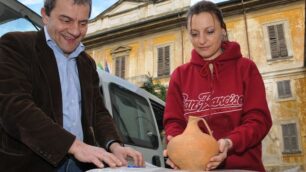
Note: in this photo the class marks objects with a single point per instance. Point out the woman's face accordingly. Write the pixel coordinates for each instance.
(206, 35)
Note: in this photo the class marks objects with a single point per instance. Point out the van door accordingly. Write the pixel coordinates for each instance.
(135, 119)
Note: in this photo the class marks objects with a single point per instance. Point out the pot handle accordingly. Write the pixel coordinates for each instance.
(207, 126)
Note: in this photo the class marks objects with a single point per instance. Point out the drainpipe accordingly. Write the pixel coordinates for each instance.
(182, 39)
(182, 43)
(305, 40)
(246, 29)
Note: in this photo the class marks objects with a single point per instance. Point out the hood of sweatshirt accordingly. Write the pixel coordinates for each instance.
(211, 68)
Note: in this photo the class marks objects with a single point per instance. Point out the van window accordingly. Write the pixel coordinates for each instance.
(133, 117)
(159, 112)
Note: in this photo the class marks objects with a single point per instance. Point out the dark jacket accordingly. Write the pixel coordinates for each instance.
(31, 134)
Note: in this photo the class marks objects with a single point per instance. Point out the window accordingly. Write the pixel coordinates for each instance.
(120, 60)
(290, 138)
(133, 116)
(159, 113)
(277, 39)
(120, 66)
(284, 89)
(163, 55)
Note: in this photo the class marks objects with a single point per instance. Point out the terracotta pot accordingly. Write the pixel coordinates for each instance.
(192, 149)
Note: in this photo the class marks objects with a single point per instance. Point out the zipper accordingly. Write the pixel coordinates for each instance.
(211, 69)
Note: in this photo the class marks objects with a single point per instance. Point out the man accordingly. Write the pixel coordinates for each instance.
(52, 117)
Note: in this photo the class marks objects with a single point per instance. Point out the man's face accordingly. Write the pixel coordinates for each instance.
(67, 24)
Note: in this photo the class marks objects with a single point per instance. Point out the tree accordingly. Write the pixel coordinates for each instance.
(156, 88)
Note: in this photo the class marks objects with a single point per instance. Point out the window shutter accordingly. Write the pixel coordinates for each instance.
(282, 41)
(273, 41)
(284, 89)
(163, 61)
(277, 41)
(160, 62)
(293, 134)
(167, 61)
(120, 67)
(290, 138)
(117, 67)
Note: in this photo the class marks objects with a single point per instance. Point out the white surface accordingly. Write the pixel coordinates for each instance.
(124, 169)
(151, 168)
(148, 168)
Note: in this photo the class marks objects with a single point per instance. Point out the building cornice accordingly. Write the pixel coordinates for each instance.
(170, 20)
(236, 7)
(284, 73)
(134, 29)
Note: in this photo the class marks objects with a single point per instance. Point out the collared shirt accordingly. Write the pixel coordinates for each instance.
(70, 86)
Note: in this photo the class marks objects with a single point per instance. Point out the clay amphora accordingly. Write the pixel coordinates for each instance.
(192, 149)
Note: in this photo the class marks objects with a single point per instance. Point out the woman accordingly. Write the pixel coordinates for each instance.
(222, 87)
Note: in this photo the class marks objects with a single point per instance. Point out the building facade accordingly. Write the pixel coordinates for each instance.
(272, 34)
(135, 38)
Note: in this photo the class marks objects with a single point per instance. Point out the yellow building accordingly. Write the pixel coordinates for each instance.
(148, 37)
(272, 34)
(139, 38)
(277, 47)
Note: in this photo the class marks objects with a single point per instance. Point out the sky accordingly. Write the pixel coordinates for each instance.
(23, 25)
(98, 7)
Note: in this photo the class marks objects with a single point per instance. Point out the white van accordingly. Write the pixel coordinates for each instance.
(138, 116)
(137, 113)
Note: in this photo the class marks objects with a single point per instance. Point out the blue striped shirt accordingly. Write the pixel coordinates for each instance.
(70, 86)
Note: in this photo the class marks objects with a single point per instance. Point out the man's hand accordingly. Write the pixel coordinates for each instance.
(215, 161)
(122, 153)
(91, 154)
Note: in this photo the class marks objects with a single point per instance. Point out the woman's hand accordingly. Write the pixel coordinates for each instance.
(215, 161)
(168, 161)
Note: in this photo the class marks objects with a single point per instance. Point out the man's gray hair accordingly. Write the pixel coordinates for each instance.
(50, 4)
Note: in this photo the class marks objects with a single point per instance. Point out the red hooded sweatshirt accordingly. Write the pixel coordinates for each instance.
(229, 93)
